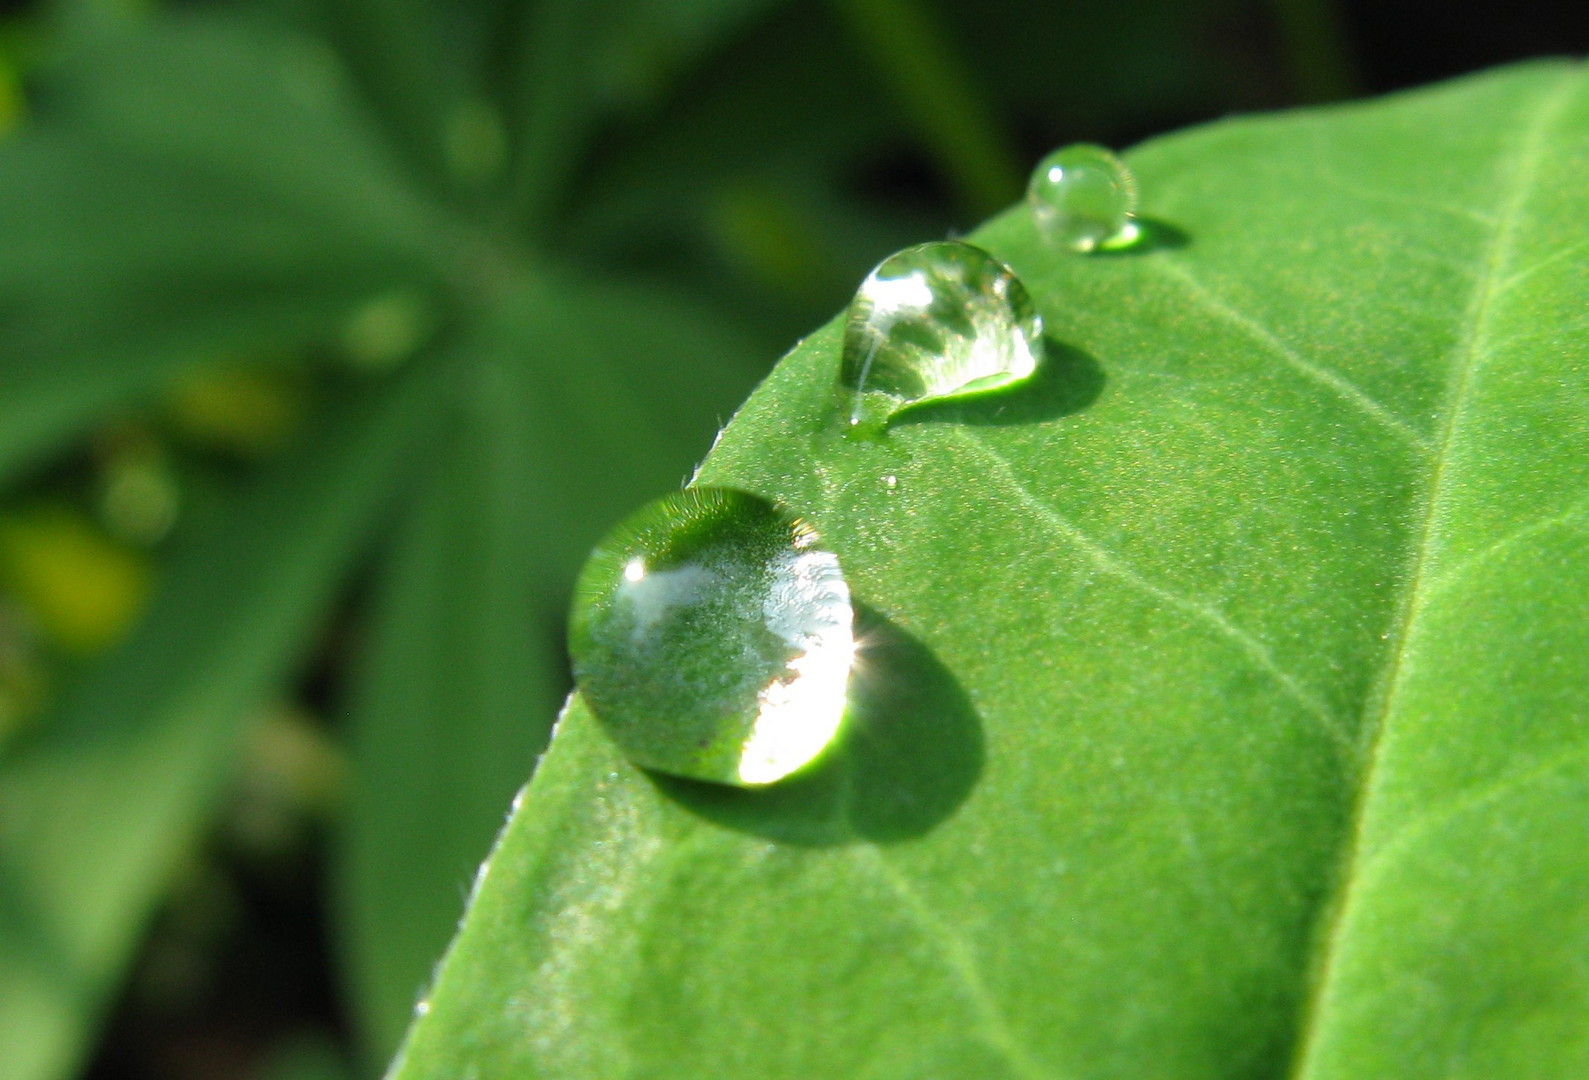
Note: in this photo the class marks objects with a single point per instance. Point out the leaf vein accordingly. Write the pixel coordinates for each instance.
(1323, 173)
(1503, 787)
(1518, 277)
(1568, 519)
(1260, 333)
(957, 953)
(1380, 706)
(1255, 650)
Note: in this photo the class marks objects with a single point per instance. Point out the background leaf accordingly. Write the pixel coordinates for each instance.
(1264, 605)
(450, 710)
(97, 809)
(146, 235)
(572, 61)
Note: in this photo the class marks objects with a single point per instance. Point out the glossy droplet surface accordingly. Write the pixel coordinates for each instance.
(712, 635)
(934, 321)
(1082, 197)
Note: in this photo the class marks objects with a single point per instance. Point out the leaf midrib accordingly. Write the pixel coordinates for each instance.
(1380, 706)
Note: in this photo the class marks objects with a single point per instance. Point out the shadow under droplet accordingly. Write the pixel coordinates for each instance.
(1152, 235)
(908, 755)
(1067, 381)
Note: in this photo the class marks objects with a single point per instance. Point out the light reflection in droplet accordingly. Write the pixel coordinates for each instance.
(934, 321)
(712, 635)
(1082, 197)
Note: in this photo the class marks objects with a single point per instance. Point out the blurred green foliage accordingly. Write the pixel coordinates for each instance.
(332, 332)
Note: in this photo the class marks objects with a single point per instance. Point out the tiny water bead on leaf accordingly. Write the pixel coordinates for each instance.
(712, 635)
(1083, 197)
(935, 321)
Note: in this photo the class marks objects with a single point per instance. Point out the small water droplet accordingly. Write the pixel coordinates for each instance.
(934, 321)
(1083, 197)
(712, 635)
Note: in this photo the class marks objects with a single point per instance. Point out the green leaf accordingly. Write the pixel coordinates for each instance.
(117, 275)
(573, 61)
(551, 433)
(401, 52)
(454, 702)
(728, 188)
(94, 813)
(1223, 710)
(192, 191)
(270, 112)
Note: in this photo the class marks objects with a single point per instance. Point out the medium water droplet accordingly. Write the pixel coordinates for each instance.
(1083, 197)
(712, 635)
(934, 321)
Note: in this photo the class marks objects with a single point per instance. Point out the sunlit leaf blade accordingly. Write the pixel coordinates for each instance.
(119, 270)
(1259, 616)
(272, 113)
(561, 415)
(1463, 911)
(399, 51)
(94, 812)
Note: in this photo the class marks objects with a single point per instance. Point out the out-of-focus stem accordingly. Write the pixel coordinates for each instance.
(1317, 52)
(939, 96)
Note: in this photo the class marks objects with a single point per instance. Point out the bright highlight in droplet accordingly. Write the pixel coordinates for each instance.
(1082, 197)
(935, 321)
(712, 635)
(809, 608)
(892, 297)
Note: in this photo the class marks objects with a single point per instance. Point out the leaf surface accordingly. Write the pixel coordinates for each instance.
(549, 408)
(1224, 693)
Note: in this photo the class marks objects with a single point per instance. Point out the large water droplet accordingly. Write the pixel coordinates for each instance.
(934, 321)
(1083, 197)
(712, 636)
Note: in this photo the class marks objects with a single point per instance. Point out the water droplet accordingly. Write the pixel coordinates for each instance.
(712, 636)
(1083, 197)
(934, 321)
